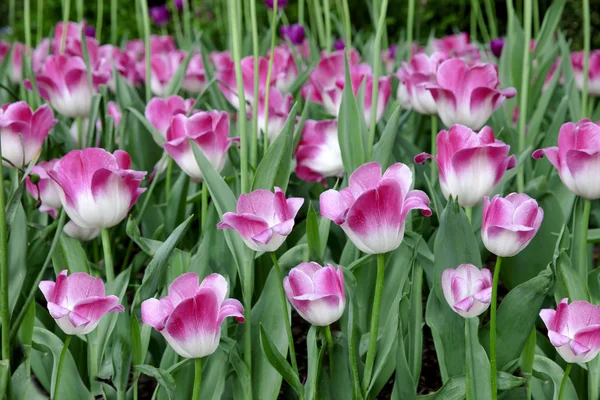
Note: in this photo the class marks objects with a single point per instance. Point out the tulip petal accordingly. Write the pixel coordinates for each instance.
(185, 286)
(217, 284)
(231, 308)
(334, 205)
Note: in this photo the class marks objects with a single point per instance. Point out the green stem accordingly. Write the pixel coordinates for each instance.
(235, 38)
(523, 93)
(66, 11)
(563, 383)
(187, 24)
(269, 72)
(255, 53)
(11, 14)
(197, 379)
(489, 10)
(376, 72)
(583, 254)
(168, 179)
(4, 311)
(146, 22)
(80, 132)
(319, 18)
(203, 206)
(527, 357)
(374, 321)
(99, 19)
(79, 8)
(536, 18)
(586, 58)
(288, 326)
(493, 327)
(148, 195)
(61, 360)
(329, 348)
(593, 379)
(177, 23)
(92, 362)
(40, 21)
(247, 294)
(410, 23)
(327, 18)
(300, 12)
(113, 21)
(473, 24)
(468, 366)
(479, 16)
(108, 260)
(347, 24)
(469, 214)
(434, 132)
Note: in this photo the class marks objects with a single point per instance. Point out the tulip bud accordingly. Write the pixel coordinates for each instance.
(319, 155)
(467, 289)
(160, 15)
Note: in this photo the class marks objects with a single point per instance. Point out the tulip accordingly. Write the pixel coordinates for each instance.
(509, 224)
(319, 155)
(467, 95)
(470, 164)
(178, 4)
(294, 33)
(279, 109)
(285, 70)
(209, 131)
(44, 189)
(190, 317)
(123, 62)
(72, 34)
(23, 132)
(496, 46)
(98, 188)
(467, 289)
(228, 83)
(339, 44)
(194, 80)
(16, 51)
(63, 82)
(373, 209)
(577, 158)
(317, 293)
(160, 15)
(159, 111)
(388, 58)
(574, 329)
(263, 218)
(77, 302)
(458, 45)
(114, 111)
(163, 67)
(221, 60)
(363, 75)
(73, 230)
(89, 31)
(416, 76)
(577, 62)
(280, 4)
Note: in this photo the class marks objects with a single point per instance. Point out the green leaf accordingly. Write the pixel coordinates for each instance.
(23, 386)
(241, 370)
(274, 169)
(454, 389)
(17, 256)
(567, 275)
(156, 135)
(545, 36)
(404, 382)
(91, 127)
(136, 340)
(382, 151)
(480, 365)
(176, 81)
(312, 234)
(314, 364)
(69, 254)
(278, 362)
(350, 132)
(163, 377)
(546, 369)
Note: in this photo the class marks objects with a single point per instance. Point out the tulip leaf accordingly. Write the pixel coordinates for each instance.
(454, 389)
(241, 370)
(350, 124)
(544, 39)
(88, 137)
(275, 167)
(312, 234)
(176, 80)
(23, 386)
(479, 362)
(162, 376)
(69, 254)
(404, 382)
(382, 151)
(576, 288)
(315, 359)
(546, 369)
(17, 256)
(156, 135)
(279, 362)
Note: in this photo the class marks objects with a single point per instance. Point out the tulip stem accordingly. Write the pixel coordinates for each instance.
(410, 22)
(563, 383)
(79, 9)
(203, 207)
(80, 132)
(40, 21)
(99, 19)
(255, 53)
(197, 379)
(266, 107)
(586, 56)
(148, 55)
(525, 82)
(301, 12)
(327, 18)
(319, 16)
(469, 213)
(108, 260)
(374, 322)
(493, 327)
(489, 10)
(288, 325)
(61, 360)
(434, 128)
(187, 24)
(113, 21)
(66, 11)
(4, 311)
(348, 26)
(583, 254)
(468, 355)
(329, 348)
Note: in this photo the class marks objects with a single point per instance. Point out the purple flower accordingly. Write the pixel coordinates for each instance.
(280, 4)
(178, 4)
(160, 15)
(496, 46)
(339, 45)
(89, 31)
(295, 33)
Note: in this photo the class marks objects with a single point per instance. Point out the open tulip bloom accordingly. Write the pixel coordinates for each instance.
(159, 111)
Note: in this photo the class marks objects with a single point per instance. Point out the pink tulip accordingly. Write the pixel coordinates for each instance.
(263, 218)
(285, 70)
(467, 95)
(574, 329)
(195, 77)
(317, 293)
(124, 62)
(363, 73)
(318, 155)
(78, 302)
(159, 111)
(228, 82)
(416, 76)
(158, 44)
(221, 60)
(577, 62)
(209, 131)
(388, 58)
(15, 65)
(63, 82)
(190, 317)
(373, 209)
(73, 230)
(23, 131)
(74, 30)
(467, 289)
(114, 111)
(470, 164)
(509, 224)
(45, 191)
(458, 45)
(98, 188)
(577, 158)
(279, 109)
(163, 67)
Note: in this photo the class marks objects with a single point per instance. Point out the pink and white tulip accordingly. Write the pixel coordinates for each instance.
(263, 218)
(467, 289)
(159, 111)
(317, 293)
(318, 155)
(191, 315)
(73, 230)
(78, 302)
(23, 131)
(285, 69)
(228, 82)
(458, 45)
(372, 210)
(467, 95)
(577, 62)
(15, 65)
(45, 191)
(163, 67)
(415, 77)
(194, 80)
(98, 188)
(207, 130)
(577, 158)
(470, 164)
(279, 109)
(509, 224)
(574, 329)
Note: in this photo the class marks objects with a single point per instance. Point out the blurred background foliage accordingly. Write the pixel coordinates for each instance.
(433, 17)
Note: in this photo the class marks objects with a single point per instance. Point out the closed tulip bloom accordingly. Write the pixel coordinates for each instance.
(467, 289)
(45, 191)
(162, 66)
(263, 218)
(339, 44)
(577, 62)
(416, 76)
(207, 130)
(285, 70)
(194, 80)
(98, 188)
(160, 15)
(510, 223)
(294, 33)
(470, 164)
(159, 111)
(73, 230)
(316, 292)
(577, 158)
(319, 155)
(372, 210)
(23, 132)
(15, 64)
(496, 45)
(467, 95)
(280, 4)
(574, 329)
(227, 78)
(279, 109)
(78, 302)
(190, 317)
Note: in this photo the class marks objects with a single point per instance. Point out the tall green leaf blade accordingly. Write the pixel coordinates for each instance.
(278, 362)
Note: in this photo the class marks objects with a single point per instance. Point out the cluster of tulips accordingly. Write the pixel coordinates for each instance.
(97, 185)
